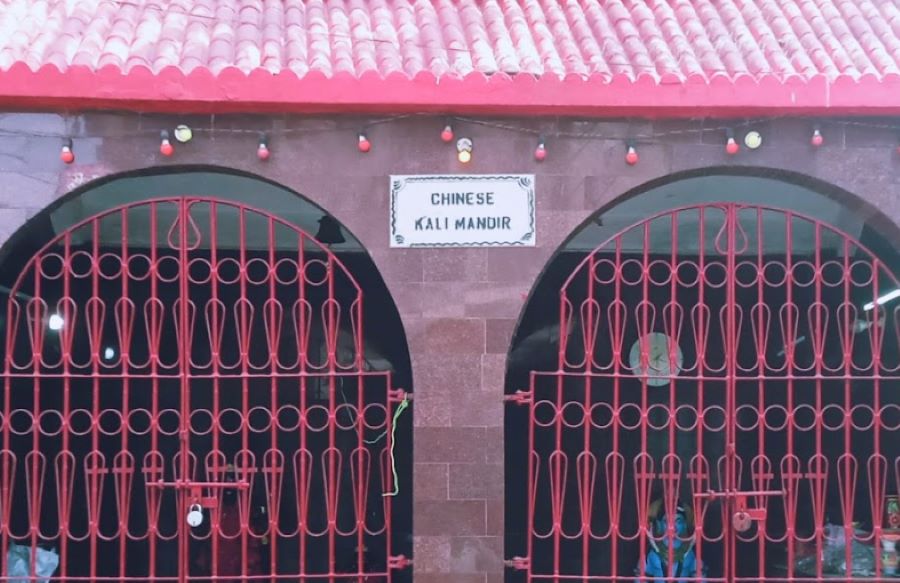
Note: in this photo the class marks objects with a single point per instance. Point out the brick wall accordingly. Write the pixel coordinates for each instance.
(459, 306)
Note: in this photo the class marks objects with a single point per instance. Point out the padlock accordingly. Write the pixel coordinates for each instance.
(741, 521)
(195, 516)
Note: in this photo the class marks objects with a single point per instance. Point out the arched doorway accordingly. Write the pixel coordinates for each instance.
(717, 402)
(195, 358)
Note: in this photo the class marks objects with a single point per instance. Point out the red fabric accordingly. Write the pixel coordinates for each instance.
(457, 54)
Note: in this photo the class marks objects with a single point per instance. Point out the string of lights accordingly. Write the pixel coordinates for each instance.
(448, 128)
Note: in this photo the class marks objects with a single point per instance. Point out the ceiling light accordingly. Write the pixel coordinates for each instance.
(56, 322)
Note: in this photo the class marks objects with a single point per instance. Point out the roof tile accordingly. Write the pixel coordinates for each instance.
(686, 40)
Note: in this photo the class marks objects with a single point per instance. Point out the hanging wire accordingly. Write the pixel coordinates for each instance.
(353, 127)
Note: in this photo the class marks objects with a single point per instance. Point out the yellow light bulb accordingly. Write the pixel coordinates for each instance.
(183, 134)
(465, 156)
(753, 140)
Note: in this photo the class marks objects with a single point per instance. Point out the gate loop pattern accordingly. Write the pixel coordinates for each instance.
(724, 404)
(185, 355)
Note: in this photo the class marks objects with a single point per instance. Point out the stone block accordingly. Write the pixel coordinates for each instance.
(454, 517)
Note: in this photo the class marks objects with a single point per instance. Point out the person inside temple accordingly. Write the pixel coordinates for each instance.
(683, 556)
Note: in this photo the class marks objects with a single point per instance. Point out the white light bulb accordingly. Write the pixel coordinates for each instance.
(56, 322)
(109, 353)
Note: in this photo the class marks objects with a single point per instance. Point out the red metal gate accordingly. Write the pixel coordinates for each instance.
(192, 358)
(725, 406)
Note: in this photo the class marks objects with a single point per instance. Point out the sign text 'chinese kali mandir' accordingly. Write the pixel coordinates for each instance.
(462, 211)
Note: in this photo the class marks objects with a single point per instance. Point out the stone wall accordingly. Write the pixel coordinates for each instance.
(459, 306)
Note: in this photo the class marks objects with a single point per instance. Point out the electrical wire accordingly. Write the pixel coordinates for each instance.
(402, 407)
(640, 138)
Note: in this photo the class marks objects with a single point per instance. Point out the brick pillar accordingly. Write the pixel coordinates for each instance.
(458, 364)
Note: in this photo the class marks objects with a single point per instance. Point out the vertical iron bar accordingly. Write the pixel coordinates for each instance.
(587, 492)
(35, 437)
(762, 364)
(303, 359)
(848, 403)
(124, 352)
(672, 346)
(618, 336)
(790, 334)
(216, 361)
(731, 222)
(244, 513)
(94, 482)
(184, 361)
(67, 393)
(154, 360)
(333, 326)
(272, 530)
(818, 353)
(644, 529)
(556, 478)
(877, 347)
(701, 372)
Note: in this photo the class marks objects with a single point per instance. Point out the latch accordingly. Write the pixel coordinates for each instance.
(518, 563)
(398, 562)
(196, 488)
(398, 395)
(197, 501)
(519, 398)
(745, 516)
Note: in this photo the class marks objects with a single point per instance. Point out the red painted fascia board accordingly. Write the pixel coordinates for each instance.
(232, 91)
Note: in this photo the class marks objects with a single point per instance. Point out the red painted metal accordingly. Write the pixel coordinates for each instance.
(782, 418)
(233, 91)
(191, 354)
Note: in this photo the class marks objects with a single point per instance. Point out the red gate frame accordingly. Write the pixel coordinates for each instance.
(573, 511)
(27, 321)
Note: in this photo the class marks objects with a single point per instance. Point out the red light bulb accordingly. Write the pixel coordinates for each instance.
(631, 158)
(447, 134)
(540, 153)
(817, 138)
(732, 147)
(262, 152)
(165, 146)
(67, 155)
(364, 144)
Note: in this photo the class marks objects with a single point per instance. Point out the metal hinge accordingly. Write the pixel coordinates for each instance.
(398, 395)
(398, 562)
(519, 398)
(518, 563)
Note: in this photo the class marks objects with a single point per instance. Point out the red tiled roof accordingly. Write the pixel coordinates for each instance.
(585, 56)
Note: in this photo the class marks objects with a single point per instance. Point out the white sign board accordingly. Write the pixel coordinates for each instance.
(462, 211)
